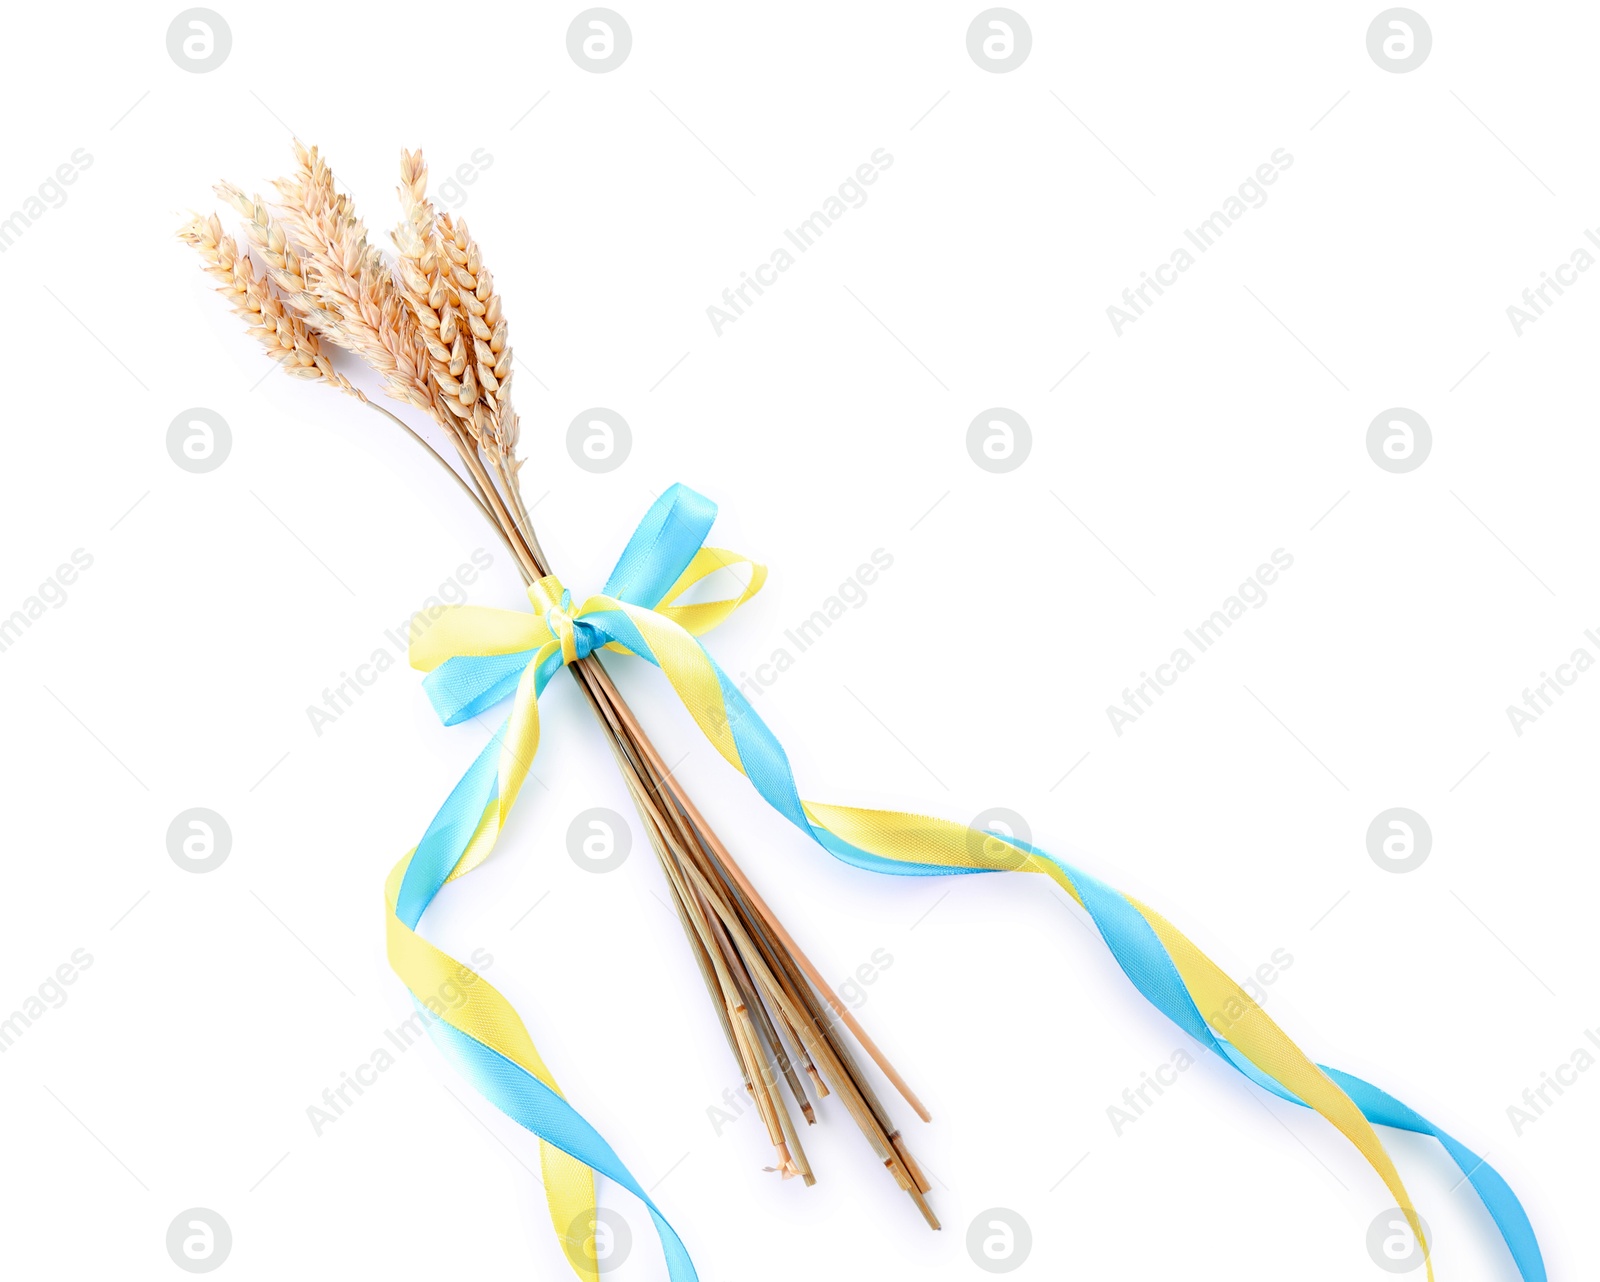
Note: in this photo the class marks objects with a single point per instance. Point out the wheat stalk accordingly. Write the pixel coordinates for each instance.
(433, 327)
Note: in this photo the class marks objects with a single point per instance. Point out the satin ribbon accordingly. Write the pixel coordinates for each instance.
(477, 657)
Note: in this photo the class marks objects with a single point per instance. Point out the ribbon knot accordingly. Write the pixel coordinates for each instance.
(476, 657)
(577, 636)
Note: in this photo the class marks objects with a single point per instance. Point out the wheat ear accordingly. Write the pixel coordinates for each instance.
(348, 287)
(255, 299)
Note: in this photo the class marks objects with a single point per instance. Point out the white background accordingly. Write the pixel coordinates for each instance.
(829, 421)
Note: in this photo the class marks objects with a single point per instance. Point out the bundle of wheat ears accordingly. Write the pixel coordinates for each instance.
(432, 324)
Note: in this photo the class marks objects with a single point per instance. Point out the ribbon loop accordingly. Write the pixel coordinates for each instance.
(662, 546)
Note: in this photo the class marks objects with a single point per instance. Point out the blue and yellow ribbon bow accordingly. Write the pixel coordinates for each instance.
(477, 657)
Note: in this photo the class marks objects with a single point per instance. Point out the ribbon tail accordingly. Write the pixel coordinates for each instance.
(580, 1152)
(472, 1022)
(1509, 1217)
(1165, 966)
